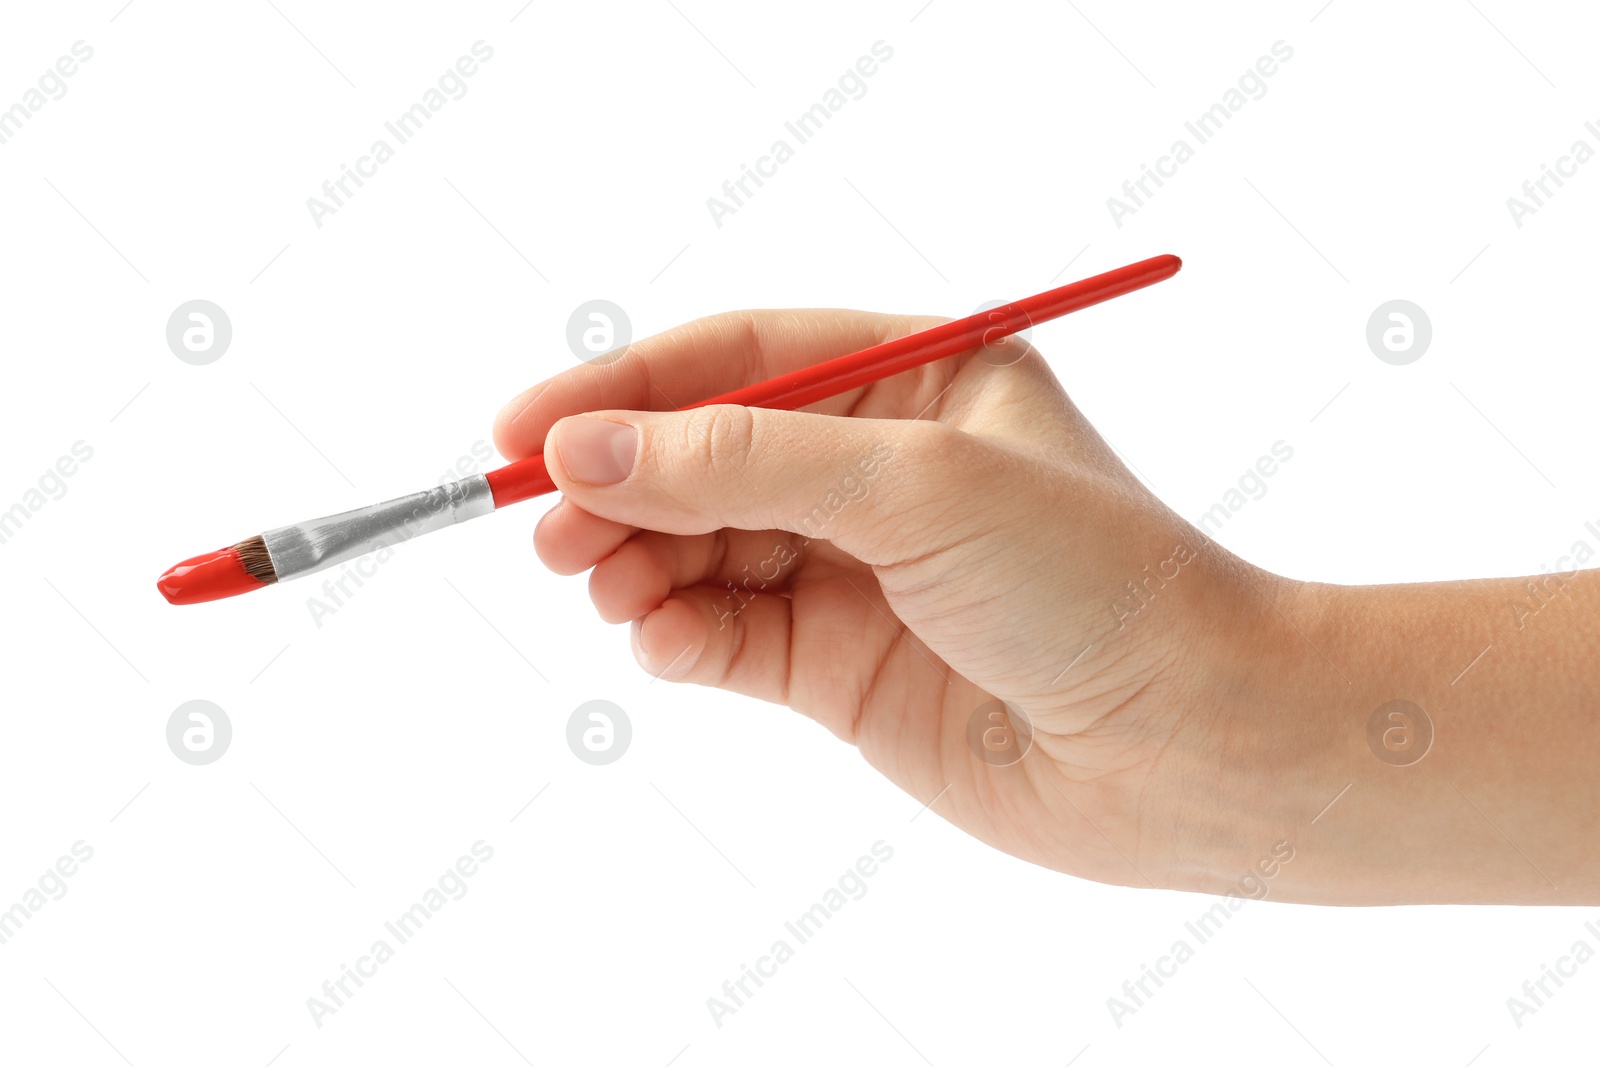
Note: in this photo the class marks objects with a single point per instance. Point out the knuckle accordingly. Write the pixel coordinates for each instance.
(720, 438)
(943, 475)
(928, 441)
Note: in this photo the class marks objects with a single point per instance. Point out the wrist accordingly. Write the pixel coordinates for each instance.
(1409, 747)
(1273, 710)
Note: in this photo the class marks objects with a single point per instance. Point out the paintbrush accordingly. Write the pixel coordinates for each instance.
(307, 547)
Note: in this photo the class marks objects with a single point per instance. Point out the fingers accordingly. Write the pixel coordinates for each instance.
(634, 571)
(695, 361)
(698, 636)
(569, 540)
(640, 575)
(882, 490)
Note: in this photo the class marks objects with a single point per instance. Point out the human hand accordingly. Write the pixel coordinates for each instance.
(897, 562)
(903, 562)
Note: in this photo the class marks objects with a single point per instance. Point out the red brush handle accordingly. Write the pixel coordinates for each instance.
(528, 478)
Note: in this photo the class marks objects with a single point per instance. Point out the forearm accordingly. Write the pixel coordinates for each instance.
(1500, 806)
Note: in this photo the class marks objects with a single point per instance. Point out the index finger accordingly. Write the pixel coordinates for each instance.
(698, 360)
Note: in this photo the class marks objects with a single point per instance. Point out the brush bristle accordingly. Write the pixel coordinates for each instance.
(257, 562)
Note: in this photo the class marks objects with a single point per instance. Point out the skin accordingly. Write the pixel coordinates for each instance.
(1194, 718)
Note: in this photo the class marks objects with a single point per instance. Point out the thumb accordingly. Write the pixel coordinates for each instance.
(883, 490)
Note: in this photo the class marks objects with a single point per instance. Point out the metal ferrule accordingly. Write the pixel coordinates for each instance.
(307, 547)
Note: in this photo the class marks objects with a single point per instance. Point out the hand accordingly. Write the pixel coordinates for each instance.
(950, 567)
(904, 558)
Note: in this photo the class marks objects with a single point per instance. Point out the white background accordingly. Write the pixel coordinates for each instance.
(371, 353)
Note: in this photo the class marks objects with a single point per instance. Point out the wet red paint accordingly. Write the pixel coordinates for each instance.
(211, 576)
(220, 574)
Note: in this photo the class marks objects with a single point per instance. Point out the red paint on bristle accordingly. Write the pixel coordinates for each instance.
(211, 576)
(222, 573)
